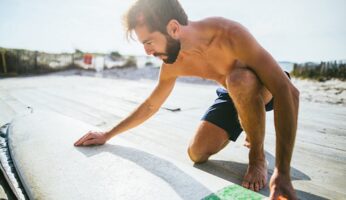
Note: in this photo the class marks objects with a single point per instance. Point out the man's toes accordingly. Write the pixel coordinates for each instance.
(261, 184)
(251, 186)
(245, 184)
(257, 187)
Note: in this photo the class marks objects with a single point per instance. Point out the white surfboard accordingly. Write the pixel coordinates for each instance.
(51, 167)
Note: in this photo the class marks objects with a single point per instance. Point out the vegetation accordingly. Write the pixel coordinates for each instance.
(130, 62)
(19, 61)
(77, 51)
(321, 71)
(115, 55)
(149, 64)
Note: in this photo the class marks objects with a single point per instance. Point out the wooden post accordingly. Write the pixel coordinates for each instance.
(3, 61)
(17, 60)
(35, 62)
(72, 59)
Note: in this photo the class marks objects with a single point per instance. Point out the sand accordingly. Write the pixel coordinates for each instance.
(328, 92)
(103, 99)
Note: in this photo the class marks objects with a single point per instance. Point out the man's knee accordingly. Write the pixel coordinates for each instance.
(196, 155)
(244, 86)
(241, 79)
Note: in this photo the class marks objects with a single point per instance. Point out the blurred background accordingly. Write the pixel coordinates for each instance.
(38, 36)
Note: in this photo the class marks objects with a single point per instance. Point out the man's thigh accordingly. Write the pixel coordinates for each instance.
(223, 114)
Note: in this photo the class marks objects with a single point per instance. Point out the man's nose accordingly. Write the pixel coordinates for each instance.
(149, 51)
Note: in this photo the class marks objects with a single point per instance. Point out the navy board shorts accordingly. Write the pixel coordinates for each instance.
(224, 114)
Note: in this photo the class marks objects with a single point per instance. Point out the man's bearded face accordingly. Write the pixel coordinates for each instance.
(172, 50)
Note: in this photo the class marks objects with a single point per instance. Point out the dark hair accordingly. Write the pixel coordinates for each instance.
(155, 14)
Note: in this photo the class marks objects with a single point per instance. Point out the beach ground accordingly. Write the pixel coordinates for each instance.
(103, 99)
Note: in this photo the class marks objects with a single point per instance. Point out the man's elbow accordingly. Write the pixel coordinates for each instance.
(295, 93)
(292, 93)
(287, 91)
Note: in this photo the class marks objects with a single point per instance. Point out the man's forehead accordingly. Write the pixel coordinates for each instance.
(144, 34)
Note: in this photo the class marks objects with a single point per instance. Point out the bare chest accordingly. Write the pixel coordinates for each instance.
(213, 64)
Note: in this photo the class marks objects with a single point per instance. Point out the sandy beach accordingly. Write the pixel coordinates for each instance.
(328, 92)
(103, 99)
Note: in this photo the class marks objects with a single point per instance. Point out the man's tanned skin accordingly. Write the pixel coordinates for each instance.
(224, 51)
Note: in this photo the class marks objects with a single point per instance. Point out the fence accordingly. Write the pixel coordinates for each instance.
(323, 70)
(18, 61)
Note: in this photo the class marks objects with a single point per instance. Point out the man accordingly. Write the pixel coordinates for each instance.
(224, 51)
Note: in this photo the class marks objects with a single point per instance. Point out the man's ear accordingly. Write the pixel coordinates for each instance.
(173, 29)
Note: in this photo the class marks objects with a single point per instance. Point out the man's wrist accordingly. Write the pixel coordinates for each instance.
(108, 135)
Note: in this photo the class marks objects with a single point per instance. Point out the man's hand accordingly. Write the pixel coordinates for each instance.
(281, 187)
(92, 138)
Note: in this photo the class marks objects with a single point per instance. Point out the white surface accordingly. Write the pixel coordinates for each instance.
(52, 168)
(318, 161)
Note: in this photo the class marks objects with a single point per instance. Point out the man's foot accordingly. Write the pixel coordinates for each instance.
(256, 176)
(281, 187)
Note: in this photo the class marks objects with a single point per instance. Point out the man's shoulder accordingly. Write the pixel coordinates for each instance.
(223, 26)
(224, 29)
(220, 22)
(215, 19)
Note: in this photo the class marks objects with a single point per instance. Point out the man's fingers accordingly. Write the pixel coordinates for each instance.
(83, 139)
(91, 138)
(90, 142)
(79, 142)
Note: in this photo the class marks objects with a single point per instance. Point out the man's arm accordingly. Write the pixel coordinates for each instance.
(286, 96)
(147, 109)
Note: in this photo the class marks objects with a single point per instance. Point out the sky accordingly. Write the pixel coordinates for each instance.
(291, 30)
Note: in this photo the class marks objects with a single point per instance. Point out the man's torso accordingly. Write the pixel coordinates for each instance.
(211, 55)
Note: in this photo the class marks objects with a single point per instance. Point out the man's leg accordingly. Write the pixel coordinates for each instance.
(249, 97)
(208, 140)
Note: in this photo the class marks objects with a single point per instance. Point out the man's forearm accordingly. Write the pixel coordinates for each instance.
(285, 117)
(142, 113)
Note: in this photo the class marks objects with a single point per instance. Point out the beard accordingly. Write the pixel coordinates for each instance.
(172, 50)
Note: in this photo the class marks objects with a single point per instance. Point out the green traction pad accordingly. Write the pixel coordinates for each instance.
(234, 192)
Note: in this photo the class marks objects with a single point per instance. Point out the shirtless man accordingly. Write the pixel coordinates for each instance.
(224, 51)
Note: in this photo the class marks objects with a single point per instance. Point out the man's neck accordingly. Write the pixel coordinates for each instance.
(188, 37)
